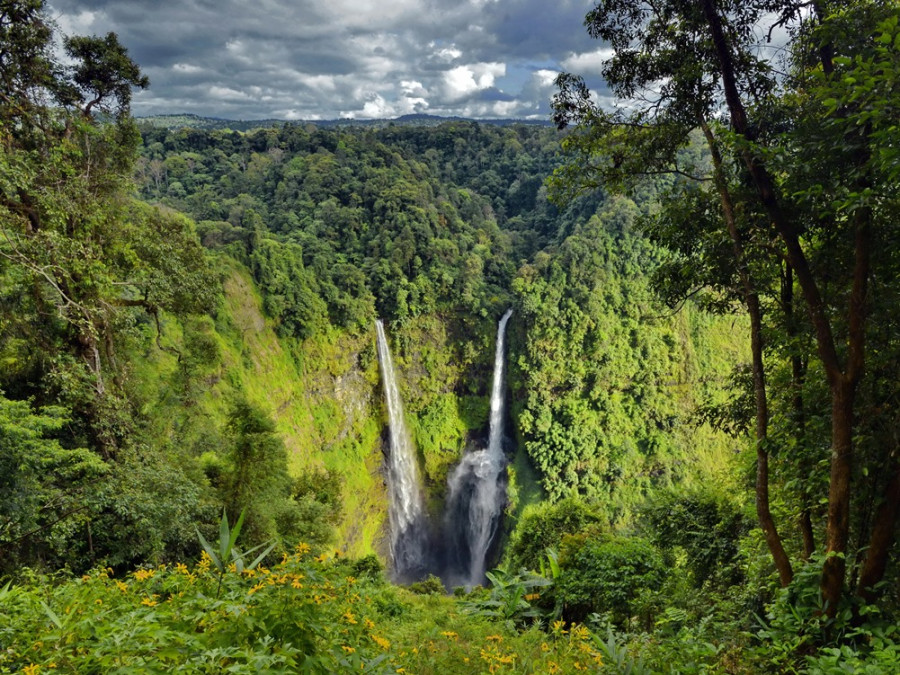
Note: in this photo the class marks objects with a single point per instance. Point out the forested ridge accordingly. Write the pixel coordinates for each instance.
(703, 471)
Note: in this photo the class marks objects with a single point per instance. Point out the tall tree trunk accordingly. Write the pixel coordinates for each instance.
(882, 539)
(751, 302)
(798, 379)
(842, 384)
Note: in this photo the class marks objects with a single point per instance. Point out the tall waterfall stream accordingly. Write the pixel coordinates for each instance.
(477, 493)
(476, 490)
(409, 534)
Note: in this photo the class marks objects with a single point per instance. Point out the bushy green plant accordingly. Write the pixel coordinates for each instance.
(542, 527)
(703, 524)
(428, 586)
(511, 598)
(797, 631)
(609, 573)
(873, 651)
(227, 553)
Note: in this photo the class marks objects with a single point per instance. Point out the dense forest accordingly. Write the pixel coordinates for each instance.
(703, 470)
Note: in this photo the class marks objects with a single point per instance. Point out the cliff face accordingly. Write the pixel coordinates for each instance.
(324, 396)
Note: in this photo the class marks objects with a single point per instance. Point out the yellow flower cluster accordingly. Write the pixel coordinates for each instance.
(143, 575)
(380, 641)
(495, 658)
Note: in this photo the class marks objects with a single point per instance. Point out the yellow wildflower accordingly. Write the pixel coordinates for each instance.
(349, 618)
(579, 632)
(545, 647)
(296, 583)
(348, 649)
(98, 601)
(31, 669)
(450, 635)
(369, 624)
(143, 575)
(321, 558)
(559, 627)
(121, 585)
(205, 562)
(351, 580)
(494, 638)
(381, 642)
(181, 568)
(150, 602)
(302, 548)
(256, 588)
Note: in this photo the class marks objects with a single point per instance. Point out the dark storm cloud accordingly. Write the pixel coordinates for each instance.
(297, 59)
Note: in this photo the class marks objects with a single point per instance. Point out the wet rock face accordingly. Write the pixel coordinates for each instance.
(354, 395)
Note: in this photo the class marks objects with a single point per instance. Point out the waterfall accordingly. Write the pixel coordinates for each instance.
(409, 536)
(477, 487)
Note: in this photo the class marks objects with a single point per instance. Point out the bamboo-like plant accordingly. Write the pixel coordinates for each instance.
(229, 553)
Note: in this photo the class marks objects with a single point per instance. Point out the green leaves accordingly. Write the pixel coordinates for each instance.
(511, 598)
(227, 553)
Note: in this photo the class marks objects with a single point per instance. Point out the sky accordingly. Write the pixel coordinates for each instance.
(330, 59)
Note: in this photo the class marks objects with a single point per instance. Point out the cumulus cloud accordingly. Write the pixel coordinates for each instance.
(463, 81)
(305, 59)
(588, 63)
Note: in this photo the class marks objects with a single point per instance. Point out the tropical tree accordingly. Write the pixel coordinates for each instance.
(776, 140)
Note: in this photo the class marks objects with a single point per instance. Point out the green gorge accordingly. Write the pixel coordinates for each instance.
(701, 399)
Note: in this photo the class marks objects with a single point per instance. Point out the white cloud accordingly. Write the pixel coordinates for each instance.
(587, 63)
(412, 88)
(80, 23)
(447, 54)
(463, 81)
(227, 93)
(377, 107)
(187, 68)
(544, 77)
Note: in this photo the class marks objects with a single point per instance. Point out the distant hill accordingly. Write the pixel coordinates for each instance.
(191, 121)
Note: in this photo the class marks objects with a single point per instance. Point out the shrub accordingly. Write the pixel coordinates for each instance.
(610, 574)
(543, 527)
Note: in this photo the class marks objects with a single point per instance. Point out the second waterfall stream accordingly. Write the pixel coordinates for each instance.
(477, 486)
